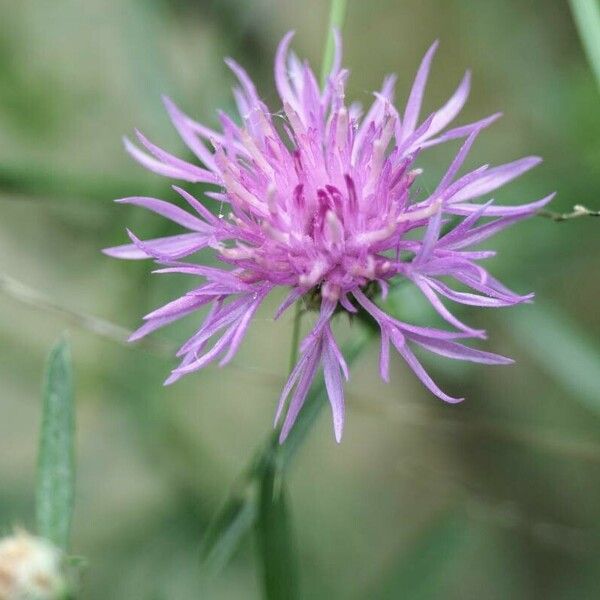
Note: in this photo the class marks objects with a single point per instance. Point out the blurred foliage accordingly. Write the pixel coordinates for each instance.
(496, 498)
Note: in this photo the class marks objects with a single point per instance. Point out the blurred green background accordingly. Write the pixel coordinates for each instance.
(496, 498)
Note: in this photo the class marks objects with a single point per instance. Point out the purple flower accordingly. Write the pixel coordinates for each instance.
(319, 202)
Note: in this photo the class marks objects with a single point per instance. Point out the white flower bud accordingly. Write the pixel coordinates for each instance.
(30, 569)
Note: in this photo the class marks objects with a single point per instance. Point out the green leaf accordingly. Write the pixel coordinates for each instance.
(566, 353)
(56, 461)
(275, 539)
(421, 570)
(586, 14)
(240, 510)
(222, 538)
(337, 14)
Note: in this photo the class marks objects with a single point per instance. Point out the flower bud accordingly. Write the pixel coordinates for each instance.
(30, 568)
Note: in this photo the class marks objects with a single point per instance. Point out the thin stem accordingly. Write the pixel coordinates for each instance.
(578, 211)
(31, 297)
(295, 335)
(101, 327)
(240, 510)
(337, 13)
(586, 14)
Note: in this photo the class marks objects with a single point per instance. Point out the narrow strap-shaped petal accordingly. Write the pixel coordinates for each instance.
(457, 132)
(483, 232)
(345, 302)
(461, 352)
(457, 162)
(430, 238)
(491, 282)
(245, 80)
(176, 245)
(385, 320)
(173, 377)
(282, 81)
(457, 233)
(169, 211)
(311, 345)
(200, 175)
(242, 326)
(198, 206)
(420, 372)
(165, 253)
(216, 320)
(335, 389)
(374, 114)
(306, 378)
(207, 356)
(461, 208)
(424, 285)
(189, 134)
(490, 287)
(415, 99)
(154, 165)
(496, 177)
(229, 279)
(384, 356)
(292, 379)
(294, 295)
(411, 142)
(151, 326)
(334, 347)
(447, 113)
(474, 299)
(181, 305)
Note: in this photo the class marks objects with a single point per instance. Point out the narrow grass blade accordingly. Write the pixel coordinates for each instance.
(586, 14)
(275, 539)
(222, 538)
(337, 15)
(421, 570)
(56, 460)
(564, 351)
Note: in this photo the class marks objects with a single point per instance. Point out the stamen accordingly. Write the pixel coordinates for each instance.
(272, 199)
(239, 190)
(275, 233)
(238, 253)
(341, 133)
(423, 213)
(334, 230)
(311, 278)
(256, 154)
(351, 193)
(330, 291)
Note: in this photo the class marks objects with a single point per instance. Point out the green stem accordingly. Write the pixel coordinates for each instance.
(295, 335)
(241, 509)
(586, 14)
(578, 211)
(337, 14)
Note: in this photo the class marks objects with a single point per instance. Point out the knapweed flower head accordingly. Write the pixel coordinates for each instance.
(319, 200)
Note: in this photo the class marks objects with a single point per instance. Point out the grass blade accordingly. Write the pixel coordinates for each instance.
(337, 14)
(567, 354)
(586, 14)
(423, 567)
(56, 460)
(225, 532)
(275, 539)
